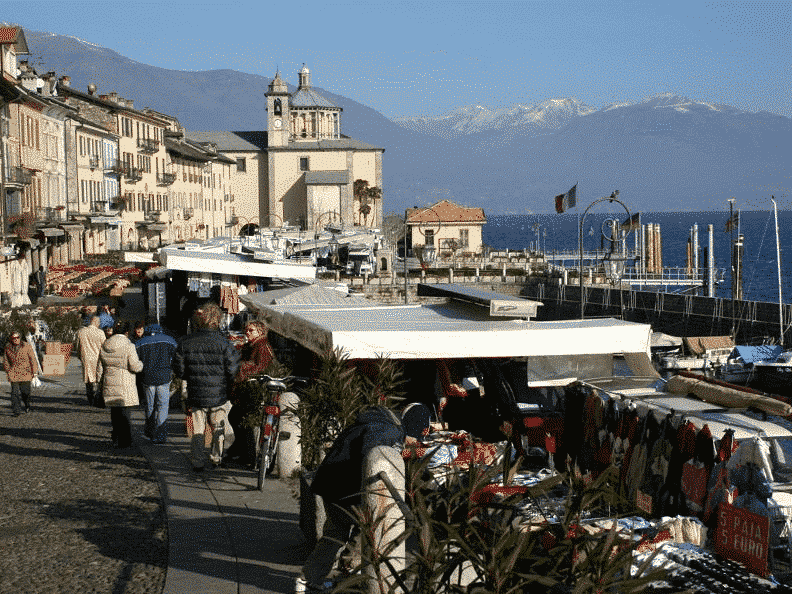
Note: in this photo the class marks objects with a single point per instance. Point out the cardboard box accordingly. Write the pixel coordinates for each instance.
(53, 347)
(54, 364)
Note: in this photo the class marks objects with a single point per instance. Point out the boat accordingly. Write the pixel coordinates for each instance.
(705, 354)
(774, 376)
(739, 367)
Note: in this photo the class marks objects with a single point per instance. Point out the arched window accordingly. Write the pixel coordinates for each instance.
(277, 107)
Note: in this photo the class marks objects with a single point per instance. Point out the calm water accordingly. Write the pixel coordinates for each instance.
(760, 276)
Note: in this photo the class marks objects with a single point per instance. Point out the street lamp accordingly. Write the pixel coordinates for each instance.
(611, 198)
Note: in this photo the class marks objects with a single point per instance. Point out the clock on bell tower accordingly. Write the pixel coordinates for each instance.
(277, 112)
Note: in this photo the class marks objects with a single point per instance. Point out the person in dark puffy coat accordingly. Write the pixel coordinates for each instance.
(208, 362)
(156, 350)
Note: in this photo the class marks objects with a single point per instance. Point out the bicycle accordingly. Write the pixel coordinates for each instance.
(269, 434)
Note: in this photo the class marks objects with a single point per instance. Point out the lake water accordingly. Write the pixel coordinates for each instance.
(760, 274)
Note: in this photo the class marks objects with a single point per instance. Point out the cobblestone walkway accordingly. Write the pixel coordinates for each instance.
(76, 515)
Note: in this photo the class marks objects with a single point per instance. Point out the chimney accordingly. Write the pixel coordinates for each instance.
(130, 104)
(92, 89)
(65, 81)
(23, 65)
(114, 97)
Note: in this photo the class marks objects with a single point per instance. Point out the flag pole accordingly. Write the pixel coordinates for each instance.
(731, 250)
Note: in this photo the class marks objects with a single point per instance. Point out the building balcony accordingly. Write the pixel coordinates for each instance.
(165, 179)
(51, 214)
(147, 145)
(19, 176)
(232, 221)
(188, 213)
(118, 168)
(133, 174)
(93, 161)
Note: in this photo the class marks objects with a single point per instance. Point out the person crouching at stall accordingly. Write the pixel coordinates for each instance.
(21, 366)
(118, 364)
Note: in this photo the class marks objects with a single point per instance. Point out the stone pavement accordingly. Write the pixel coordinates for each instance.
(224, 535)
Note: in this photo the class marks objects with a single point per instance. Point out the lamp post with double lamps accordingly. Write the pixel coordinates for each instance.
(612, 198)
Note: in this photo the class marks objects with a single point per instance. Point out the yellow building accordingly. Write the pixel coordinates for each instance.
(302, 170)
(446, 228)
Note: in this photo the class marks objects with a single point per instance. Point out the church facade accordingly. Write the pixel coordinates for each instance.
(302, 170)
(311, 167)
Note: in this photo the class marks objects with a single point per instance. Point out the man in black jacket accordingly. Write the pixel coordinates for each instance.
(208, 362)
(339, 479)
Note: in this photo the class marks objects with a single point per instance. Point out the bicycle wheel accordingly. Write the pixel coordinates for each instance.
(263, 462)
(269, 449)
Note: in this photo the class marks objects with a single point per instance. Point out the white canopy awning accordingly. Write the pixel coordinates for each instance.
(445, 331)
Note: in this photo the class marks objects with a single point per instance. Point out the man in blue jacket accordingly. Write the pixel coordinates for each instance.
(155, 350)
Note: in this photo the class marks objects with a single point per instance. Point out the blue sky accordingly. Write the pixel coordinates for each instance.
(427, 58)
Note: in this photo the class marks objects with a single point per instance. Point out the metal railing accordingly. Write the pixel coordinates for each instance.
(19, 175)
(134, 174)
(148, 145)
(165, 179)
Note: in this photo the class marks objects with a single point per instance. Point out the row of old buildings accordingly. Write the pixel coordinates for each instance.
(86, 173)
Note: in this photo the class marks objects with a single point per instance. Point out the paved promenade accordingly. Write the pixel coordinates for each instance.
(78, 516)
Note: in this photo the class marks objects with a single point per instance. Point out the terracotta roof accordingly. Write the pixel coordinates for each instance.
(446, 212)
(16, 36)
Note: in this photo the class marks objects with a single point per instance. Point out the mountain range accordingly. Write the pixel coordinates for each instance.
(666, 152)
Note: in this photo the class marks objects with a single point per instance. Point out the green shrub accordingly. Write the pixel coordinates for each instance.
(337, 394)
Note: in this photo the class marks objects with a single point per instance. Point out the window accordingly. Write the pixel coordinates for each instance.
(241, 164)
(429, 237)
(278, 110)
(464, 238)
(303, 163)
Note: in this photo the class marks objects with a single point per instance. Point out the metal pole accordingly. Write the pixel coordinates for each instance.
(778, 261)
(405, 257)
(711, 261)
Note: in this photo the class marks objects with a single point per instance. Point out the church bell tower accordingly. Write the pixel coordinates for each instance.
(277, 112)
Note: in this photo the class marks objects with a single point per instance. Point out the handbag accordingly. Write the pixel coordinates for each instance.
(35, 382)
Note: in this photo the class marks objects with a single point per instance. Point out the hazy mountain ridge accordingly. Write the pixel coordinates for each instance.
(664, 150)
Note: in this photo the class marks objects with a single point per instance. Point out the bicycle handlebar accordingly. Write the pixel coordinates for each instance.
(287, 380)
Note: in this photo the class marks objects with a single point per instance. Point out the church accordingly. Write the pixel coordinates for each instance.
(302, 170)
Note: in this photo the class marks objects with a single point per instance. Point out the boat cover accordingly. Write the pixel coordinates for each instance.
(752, 354)
(725, 396)
(696, 345)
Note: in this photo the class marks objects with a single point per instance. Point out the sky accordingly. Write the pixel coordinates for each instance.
(407, 59)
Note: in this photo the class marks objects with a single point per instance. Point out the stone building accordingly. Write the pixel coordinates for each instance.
(446, 228)
(302, 170)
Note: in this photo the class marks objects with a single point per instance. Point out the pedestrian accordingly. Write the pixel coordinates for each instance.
(106, 319)
(89, 342)
(118, 364)
(339, 479)
(41, 281)
(208, 362)
(155, 351)
(256, 356)
(138, 332)
(21, 366)
(108, 331)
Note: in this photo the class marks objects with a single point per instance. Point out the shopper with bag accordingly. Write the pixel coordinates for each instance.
(118, 364)
(209, 363)
(21, 367)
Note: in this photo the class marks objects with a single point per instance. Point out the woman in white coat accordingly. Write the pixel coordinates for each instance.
(118, 364)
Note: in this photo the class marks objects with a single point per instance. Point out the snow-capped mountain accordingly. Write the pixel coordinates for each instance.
(520, 119)
(541, 118)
